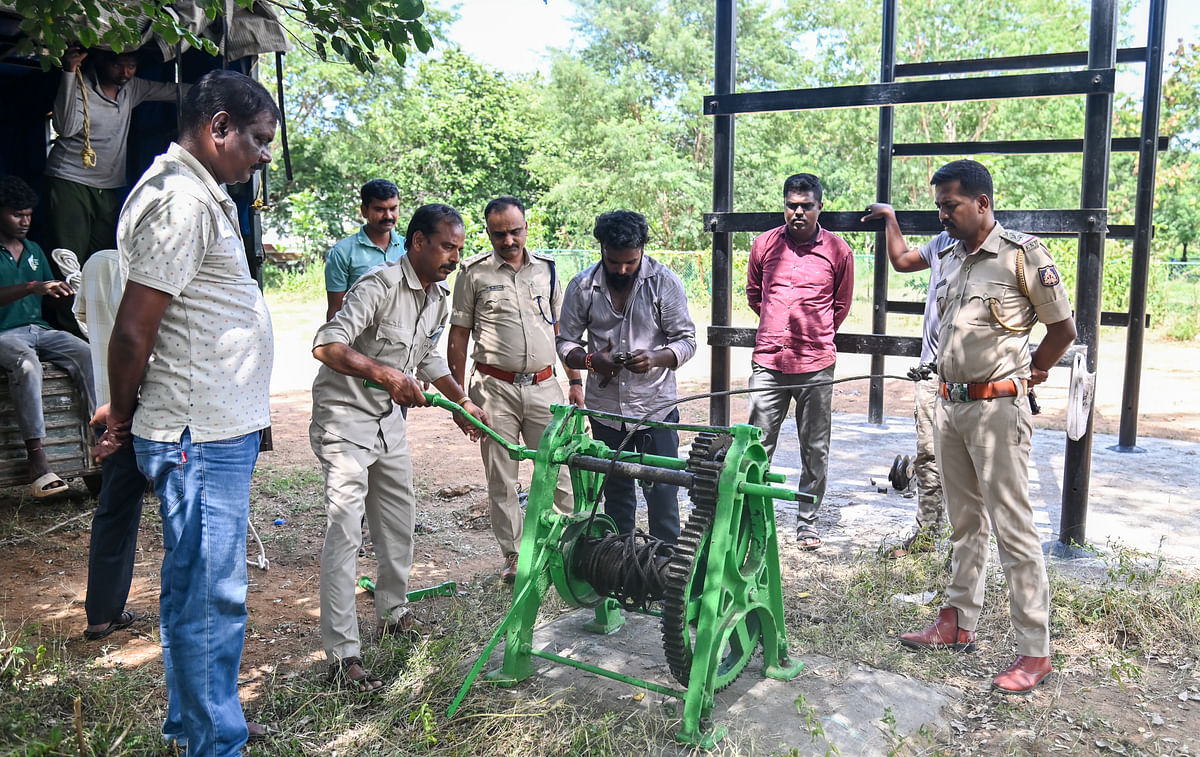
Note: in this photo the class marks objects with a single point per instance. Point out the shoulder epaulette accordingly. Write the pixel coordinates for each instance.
(474, 259)
(549, 258)
(1020, 239)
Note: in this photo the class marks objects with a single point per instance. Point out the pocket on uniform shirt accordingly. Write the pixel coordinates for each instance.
(391, 339)
(976, 307)
(499, 301)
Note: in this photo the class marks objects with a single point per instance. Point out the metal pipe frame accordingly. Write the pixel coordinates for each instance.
(1092, 81)
(1143, 222)
(1097, 139)
(724, 83)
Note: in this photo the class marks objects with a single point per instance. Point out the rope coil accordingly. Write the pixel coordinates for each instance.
(630, 568)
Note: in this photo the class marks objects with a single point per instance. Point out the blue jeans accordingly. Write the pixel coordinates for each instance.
(204, 493)
(21, 351)
(662, 500)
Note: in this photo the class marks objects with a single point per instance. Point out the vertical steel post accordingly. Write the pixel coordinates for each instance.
(724, 82)
(1097, 134)
(883, 193)
(1143, 225)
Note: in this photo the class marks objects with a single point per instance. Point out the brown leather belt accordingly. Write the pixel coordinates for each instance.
(989, 391)
(516, 379)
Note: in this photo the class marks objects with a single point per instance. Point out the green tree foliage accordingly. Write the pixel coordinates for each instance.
(1177, 215)
(453, 131)
(359, 31)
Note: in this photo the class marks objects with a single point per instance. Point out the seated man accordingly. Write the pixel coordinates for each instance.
(25, 339)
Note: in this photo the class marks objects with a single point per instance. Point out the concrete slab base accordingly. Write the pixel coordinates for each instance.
(831, 703)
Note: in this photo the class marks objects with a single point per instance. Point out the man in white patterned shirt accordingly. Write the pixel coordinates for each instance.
(191, 303)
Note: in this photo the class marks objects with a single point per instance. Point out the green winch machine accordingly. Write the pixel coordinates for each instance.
(719, 586)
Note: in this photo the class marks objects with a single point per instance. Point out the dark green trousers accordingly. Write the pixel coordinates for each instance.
(82, 219)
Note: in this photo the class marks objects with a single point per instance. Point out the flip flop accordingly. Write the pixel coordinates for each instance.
(808, 538)
(127, 618)
(47, 485)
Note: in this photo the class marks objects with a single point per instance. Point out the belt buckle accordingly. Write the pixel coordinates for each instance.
(523, 379)
(959, 392)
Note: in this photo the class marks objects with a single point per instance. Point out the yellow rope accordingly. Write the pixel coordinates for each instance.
(88, 155)
(1024, 287)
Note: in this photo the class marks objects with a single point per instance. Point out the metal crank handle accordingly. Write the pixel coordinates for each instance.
(516, 451)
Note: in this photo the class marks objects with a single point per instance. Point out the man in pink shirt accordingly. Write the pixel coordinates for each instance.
(799, 281)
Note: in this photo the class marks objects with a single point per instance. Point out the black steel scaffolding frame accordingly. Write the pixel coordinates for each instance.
(1095, 80)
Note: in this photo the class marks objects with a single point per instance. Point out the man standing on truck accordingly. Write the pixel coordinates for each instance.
(25, 339)
(85, 170)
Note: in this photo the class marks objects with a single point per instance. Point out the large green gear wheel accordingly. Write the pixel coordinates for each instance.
(685, 587)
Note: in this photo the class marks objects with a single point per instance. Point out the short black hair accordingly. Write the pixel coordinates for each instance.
(98, 56)
(15, 194)
(621, 230)
(803, 182)
(972, 176)
(427, 218)
(378, 189)
(502, 202)
(241, 97)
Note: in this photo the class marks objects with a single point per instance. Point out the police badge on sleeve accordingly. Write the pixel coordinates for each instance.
(1048, 275)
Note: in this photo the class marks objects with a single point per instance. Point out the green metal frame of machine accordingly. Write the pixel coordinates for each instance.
(723, 595)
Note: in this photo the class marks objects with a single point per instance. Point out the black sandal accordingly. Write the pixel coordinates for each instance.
(124, 620)
(339, 673)
(808, 537)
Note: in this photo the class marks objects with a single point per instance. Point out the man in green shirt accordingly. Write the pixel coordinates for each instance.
(25, 338)
(375, 243)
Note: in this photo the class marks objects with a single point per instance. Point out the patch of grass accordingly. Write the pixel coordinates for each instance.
(1112, 628)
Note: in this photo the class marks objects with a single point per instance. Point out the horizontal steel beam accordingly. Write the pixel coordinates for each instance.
(1086, 82)
(1011, 63)
(1041, 222)
(862, 344)
(1107, 318)
(1017, 147)
(882, 344)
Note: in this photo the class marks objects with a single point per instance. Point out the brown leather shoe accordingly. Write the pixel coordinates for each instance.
(943, 634)
(509, 574)
(1023, 675)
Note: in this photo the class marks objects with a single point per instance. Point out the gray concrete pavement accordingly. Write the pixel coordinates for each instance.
(1144, 501)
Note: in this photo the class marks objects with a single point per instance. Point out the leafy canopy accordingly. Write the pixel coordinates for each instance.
(359, 31)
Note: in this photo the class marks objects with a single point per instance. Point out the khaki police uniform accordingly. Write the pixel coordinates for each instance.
(983, 444)
(361, 439)
(511, 315)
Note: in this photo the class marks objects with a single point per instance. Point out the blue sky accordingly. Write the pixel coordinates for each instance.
(513, 35)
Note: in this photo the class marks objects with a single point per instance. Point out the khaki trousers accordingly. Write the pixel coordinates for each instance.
(983, 449)
(517, 414)
(379, 483)
(931, 507)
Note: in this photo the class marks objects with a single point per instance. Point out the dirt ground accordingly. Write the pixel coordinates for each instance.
(43, 575)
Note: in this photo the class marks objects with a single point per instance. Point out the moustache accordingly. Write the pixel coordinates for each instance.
(449, 267)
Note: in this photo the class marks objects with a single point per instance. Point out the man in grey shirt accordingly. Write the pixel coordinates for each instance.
(85, 170)
(638, 331)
